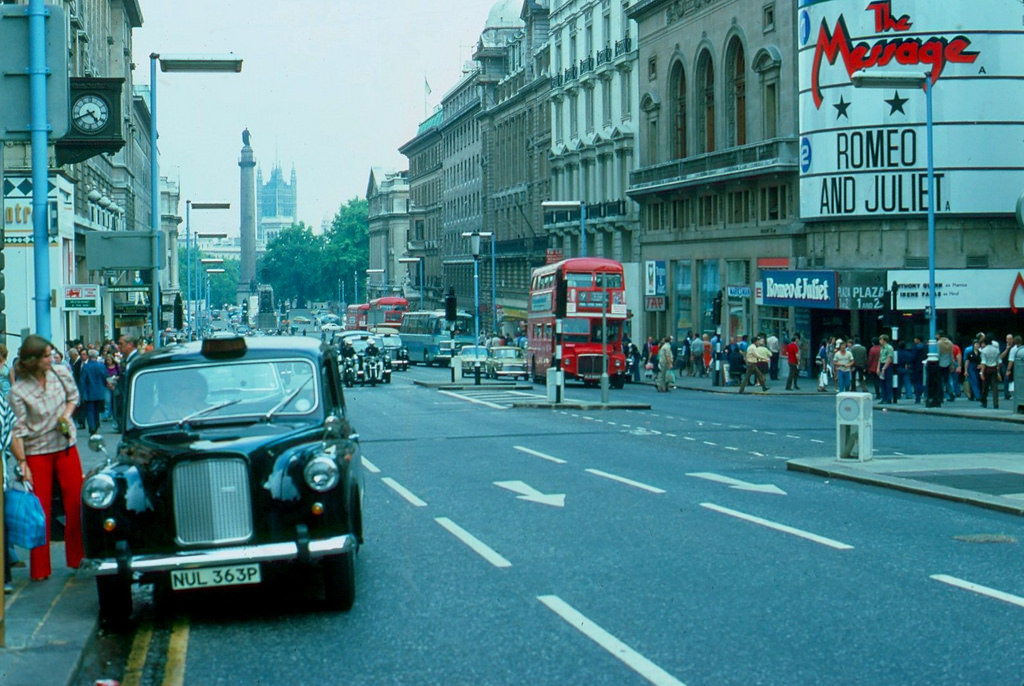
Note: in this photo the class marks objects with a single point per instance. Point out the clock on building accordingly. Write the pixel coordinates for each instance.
(96, 119)
(90, 113)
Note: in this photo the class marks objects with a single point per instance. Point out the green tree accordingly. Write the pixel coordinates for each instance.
(293, 264)
(348, 246)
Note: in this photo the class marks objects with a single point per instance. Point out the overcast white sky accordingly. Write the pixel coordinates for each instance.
(331, 86)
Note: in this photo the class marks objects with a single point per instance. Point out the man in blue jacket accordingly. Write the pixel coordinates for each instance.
(92, 386)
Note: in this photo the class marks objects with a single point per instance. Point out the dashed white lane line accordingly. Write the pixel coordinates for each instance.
(792, 436)
(979, 589)
(624, 480)
(474, 543)
(371, 467)
(689, 438)
(831, 543)
(403, 491)
(729, 447)
(756, 454)
(817, 440)
(671, 435)
(542, 456)
(711, 443)
(619, 650)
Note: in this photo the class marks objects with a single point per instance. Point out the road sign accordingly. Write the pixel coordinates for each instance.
(83, 298)
(15, 105)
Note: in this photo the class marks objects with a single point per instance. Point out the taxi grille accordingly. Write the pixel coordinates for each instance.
(212, 502)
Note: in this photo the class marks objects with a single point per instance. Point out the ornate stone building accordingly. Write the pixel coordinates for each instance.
(276, 203)
(387, 198)
(425, 216)
(717, 181)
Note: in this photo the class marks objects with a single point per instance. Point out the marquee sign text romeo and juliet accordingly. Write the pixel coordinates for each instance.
(863, 151)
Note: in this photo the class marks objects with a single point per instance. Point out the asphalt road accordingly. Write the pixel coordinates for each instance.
(613, 547)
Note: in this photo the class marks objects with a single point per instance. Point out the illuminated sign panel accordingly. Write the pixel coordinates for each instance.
(863, 151)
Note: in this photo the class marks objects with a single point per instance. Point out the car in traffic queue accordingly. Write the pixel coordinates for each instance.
(507, 361)
(235, 454)
(391, 343)
(471, 355)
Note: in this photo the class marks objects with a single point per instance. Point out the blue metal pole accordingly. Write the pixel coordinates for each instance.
(39, 128)
(154, 203)
(931, 213)
(494, 284)
(188, 264)
(422, 293)
(583, 229)
(476, 308)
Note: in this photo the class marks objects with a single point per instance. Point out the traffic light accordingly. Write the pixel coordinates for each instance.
(716, 309)
(450, 312)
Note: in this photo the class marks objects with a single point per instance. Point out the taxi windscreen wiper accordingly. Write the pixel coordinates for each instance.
(208, 410)
(284, 403)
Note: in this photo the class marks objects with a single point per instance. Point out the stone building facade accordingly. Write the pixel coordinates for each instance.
(717, 180)
(387, 199)
(424, 153)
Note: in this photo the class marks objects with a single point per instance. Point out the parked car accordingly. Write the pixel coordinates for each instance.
(236, 454)
(301, 320)
(331, 326)
(507, 361)
(471, 354)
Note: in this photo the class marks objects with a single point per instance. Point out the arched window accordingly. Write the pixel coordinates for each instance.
(706, 102)
(736, 66)
(678, 104)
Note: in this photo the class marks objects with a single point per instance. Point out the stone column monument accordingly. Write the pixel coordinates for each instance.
(247, 219)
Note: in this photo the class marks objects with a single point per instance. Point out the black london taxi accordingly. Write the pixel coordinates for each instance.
(235, 454)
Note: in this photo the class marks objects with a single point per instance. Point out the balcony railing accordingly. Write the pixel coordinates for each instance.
(779, 154)
(604, 55)
(570, 73)
(586, 64)
(623, 46)
(598, 210)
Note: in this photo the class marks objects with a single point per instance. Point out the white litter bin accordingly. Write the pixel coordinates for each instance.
(854, 426)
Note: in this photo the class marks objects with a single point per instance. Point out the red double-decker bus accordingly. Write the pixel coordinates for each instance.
(355, 317)
(588, 295)
(387, 311)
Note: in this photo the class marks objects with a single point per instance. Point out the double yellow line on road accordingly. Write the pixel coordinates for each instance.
(177, 651)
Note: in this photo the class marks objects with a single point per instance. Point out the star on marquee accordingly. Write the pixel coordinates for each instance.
(841, 108)
(896, 103)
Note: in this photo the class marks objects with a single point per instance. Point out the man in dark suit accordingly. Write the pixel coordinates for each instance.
(128, 344)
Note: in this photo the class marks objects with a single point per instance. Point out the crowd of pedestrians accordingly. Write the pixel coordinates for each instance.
(45, 398)
(890, 370)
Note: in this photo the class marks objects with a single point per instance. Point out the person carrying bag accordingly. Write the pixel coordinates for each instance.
(24, 519)
(44, 399)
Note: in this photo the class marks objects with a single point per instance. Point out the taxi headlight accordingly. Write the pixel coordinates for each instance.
(321, 474)
(98, 491)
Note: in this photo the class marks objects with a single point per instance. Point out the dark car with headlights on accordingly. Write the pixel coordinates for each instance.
(236, 454)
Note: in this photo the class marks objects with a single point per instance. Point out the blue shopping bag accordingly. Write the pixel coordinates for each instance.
(24, 518)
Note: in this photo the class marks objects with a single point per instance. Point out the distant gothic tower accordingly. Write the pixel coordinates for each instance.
(276, 204)
(247, 219)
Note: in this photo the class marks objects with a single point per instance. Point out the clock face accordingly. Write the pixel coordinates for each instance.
(90, 113)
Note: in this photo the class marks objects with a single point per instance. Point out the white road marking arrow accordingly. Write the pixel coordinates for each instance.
(532, 494)
(737, 484)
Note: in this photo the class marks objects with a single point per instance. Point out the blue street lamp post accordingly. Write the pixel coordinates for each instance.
(189, 206)
(172, 63)
(882, 79)
(474, 243)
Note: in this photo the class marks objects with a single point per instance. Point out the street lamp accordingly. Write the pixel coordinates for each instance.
(383, 278)
(205, 298)
(189, 206)
(555, 205)
(419, 261)
(172, 63)
(474, 243)
(870, 79)
(208, 272)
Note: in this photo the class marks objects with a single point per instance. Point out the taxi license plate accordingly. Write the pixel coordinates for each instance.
(209, 577)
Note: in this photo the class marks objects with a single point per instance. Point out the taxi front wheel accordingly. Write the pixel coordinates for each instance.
(115, 600)
(340, 581)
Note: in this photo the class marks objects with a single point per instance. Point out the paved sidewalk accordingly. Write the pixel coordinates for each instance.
(49, 623)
